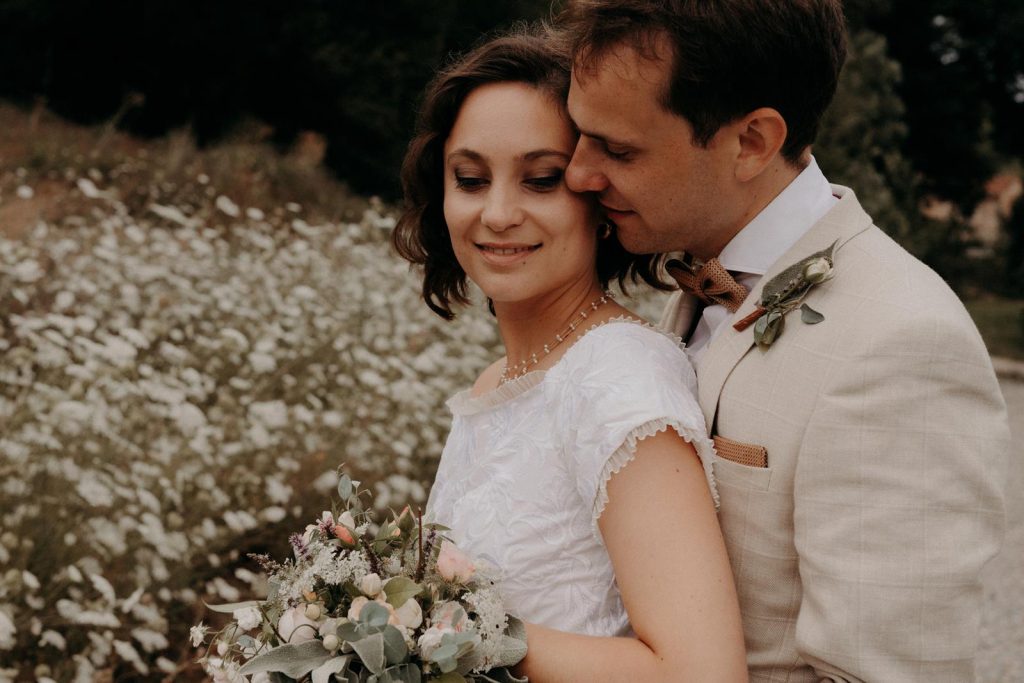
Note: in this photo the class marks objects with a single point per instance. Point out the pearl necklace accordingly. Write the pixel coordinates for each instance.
(516, 371)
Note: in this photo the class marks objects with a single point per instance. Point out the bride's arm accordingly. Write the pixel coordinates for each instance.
(673, 573)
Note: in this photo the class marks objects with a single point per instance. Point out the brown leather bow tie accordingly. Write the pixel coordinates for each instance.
(711, 283)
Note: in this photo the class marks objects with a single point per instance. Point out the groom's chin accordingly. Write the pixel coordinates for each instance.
(635, 244)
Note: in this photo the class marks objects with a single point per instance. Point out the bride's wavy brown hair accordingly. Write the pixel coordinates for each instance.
(528, 54)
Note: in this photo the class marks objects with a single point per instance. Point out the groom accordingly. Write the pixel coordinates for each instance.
(862, 456)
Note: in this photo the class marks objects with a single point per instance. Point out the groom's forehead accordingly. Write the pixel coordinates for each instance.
(623, 67)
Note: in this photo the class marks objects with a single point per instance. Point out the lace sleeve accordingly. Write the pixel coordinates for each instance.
(619, 384)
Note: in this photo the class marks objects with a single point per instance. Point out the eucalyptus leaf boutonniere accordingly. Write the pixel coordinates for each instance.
(787, 291)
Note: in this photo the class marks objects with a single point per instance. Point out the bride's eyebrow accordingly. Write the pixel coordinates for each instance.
(467, 154)
(540, 153)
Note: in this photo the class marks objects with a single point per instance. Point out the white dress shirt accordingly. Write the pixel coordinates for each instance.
(763, 241)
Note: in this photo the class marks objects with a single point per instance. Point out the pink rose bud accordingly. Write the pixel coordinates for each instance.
(453, 565)
(342, 532)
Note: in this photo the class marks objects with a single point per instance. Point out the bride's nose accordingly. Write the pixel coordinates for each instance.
(502, 208)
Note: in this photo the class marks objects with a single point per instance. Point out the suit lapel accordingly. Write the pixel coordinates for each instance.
(845, 220)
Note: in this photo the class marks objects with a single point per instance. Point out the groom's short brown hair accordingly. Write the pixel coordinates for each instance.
(729, 58)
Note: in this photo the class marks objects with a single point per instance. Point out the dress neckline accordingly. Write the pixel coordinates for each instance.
(464, 403)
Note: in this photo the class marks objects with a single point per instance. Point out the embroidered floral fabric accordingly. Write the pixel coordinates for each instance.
(523, 475)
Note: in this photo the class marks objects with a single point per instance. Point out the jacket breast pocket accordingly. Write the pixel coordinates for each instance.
(741, 465)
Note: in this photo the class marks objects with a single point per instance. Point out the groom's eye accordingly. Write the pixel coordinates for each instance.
(617, 155)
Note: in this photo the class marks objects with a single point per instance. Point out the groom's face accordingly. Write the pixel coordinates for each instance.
(658, 187)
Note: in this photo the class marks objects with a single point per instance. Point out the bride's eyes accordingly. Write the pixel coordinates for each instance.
(548, 181)
(543, 181)
(469, 183)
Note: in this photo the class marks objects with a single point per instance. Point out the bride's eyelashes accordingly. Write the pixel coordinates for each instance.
(545, 181)
(469, 183)
(549, 180)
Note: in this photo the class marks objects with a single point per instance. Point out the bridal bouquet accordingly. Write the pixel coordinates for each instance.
(400, 604)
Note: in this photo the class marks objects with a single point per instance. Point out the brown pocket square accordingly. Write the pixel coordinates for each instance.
(747, 454)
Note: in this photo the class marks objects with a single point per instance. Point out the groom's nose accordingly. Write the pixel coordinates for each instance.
(583, 174)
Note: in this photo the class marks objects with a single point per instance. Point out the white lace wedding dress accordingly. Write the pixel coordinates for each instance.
(522, 478)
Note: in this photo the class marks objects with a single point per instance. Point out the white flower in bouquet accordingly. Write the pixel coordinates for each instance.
(410, 615)
(295, 627)
(248, 618)
(197, 634)
(371, 585)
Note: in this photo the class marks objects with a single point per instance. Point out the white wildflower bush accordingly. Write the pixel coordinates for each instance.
(175, 377)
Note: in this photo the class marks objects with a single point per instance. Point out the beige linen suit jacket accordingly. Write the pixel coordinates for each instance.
(856, 551)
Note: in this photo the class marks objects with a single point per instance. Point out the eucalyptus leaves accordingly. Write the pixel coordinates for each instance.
(787, 291)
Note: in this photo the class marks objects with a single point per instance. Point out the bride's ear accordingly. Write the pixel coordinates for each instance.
(760, 134)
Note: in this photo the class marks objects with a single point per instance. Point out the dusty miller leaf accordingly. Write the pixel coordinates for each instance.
(323, 673)
(403, 673)
(777, 286)
(293, 659)
(230, 607)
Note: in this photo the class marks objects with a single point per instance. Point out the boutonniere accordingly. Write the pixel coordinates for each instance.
(787, 291)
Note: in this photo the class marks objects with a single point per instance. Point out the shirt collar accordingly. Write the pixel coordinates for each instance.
(772, 232)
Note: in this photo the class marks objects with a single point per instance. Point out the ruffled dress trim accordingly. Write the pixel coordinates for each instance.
(464, 403)
(624, 454)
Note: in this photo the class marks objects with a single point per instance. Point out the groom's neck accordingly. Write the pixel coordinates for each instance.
(753, 196)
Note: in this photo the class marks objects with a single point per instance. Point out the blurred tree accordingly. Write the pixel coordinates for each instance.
(937, 105)
(353, 71)
(861, 145)
(1013, 253)
(963, 86)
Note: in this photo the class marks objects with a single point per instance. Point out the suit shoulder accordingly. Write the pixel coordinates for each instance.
(878, 267)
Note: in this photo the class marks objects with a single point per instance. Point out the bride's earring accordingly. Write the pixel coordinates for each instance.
(604, 230)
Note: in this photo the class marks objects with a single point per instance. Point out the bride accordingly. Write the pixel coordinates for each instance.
(578, 464)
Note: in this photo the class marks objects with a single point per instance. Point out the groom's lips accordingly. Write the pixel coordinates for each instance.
(616, 214)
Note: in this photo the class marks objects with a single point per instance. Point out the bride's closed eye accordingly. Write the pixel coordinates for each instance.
(547, 181)
(469, 183)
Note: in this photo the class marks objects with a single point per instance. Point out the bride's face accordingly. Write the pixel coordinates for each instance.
(516, 229)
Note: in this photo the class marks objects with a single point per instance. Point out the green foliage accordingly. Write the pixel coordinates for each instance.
(1012, 253)
(1001, 323)
(294, 660)
(861, 145)
(862, 134)
(400, 589)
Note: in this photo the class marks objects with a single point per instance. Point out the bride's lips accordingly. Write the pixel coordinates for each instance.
(505, 253)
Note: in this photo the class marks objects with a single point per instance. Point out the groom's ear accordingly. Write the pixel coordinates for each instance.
(760, 135)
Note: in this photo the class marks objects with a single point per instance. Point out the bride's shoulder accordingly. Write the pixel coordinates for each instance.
(626, 346)
(631, 333)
